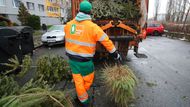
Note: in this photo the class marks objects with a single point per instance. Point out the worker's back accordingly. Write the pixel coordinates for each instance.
(81, 37)
(82, 31)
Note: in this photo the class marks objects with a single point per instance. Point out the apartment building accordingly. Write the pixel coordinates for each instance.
(50, 11)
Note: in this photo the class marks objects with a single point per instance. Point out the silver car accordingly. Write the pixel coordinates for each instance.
(54, 35)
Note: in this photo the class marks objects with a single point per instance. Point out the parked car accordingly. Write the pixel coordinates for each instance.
(155, 29)
(54, 35)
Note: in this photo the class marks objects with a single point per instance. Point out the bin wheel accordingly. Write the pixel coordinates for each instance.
(156, 33)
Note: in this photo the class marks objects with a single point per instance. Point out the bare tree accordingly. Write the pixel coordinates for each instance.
(183, 10)
(157, 6)
(176, 10)
(179, 8)
(188, 11)
(169, 9)
(173, 11)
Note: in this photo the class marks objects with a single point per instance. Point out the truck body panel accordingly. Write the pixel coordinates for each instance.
(124, 33)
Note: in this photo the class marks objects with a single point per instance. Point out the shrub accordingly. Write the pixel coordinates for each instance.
(34, 22)
(177, 27)
(3, 23)
(15, 24)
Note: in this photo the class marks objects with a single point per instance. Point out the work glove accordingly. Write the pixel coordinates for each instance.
(116, 56)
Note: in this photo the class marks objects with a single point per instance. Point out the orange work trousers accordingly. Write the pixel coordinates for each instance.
(82, 84)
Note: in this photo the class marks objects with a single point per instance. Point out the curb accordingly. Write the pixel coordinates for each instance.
(38, 47)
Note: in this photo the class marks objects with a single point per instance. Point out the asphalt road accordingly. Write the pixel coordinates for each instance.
(164, 77)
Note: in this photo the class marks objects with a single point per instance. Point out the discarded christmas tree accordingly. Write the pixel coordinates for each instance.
(8, 86)
(36, 92)
(53, 69)
(14, 64)
(37, 97)
(120, 82)
(115, 9)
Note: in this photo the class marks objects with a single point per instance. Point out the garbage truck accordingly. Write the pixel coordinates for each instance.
(125, 32)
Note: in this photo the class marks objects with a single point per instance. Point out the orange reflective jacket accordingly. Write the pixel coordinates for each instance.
(81, 38)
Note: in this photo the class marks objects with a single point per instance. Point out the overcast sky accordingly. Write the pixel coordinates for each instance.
(162, 9)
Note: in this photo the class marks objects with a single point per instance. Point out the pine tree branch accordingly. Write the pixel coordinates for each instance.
(56, 101)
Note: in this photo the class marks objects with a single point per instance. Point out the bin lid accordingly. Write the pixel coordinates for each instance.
(7, 31)
(18, 28)
(22, 28)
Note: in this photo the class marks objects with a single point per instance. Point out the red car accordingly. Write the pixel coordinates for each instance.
(155, 29)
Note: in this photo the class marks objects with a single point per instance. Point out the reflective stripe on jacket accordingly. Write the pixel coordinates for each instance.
(81, 38)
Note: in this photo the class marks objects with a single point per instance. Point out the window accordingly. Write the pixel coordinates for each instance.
(150, 25)
(16, 3)
(156, 25)
(153, 25)
(2, 2)
(41, 7)
(30, 5)
(62, 2)
(56, 27)
(55, 9)
(49, 9)
(53, 1)
(62, 10)
(52, 9)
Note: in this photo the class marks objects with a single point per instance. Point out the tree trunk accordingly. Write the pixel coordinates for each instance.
(183, 11)
(157, 5)
(186, 18)
(169, 10)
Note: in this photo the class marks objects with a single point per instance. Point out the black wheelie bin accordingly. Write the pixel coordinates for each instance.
(15, 41)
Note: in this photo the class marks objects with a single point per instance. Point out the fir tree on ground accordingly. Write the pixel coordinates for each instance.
(23, 14)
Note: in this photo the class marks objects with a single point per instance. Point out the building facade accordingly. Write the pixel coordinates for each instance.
(50, 11)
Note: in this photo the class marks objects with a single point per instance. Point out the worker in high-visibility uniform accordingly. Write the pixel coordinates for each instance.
(80, 44)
